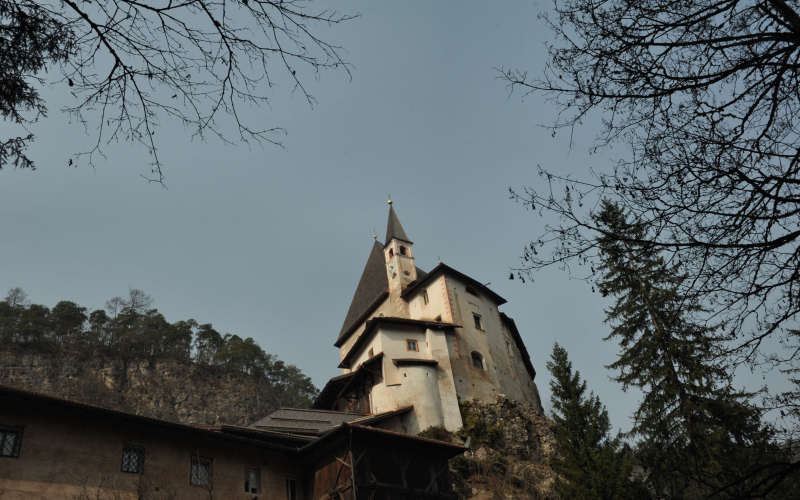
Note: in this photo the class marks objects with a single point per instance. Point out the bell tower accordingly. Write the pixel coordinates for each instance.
(398, 252)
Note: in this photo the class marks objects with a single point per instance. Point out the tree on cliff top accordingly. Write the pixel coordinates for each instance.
(129, 64)
(136, 330)
(705, 93)
(589, 463)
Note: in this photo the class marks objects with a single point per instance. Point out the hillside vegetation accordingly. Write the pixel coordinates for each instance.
(128, 356)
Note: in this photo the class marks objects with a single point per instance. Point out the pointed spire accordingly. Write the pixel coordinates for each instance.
(393, 227)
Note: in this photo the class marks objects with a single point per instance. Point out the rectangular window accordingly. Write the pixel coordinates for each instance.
(252, 480)
(291, 489)
(10, 441)
(477, 319)
(411, 345)
(201, 471)
(425, 297)
(133, 459)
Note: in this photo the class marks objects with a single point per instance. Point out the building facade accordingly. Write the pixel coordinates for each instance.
(425, 340)
(53, 448)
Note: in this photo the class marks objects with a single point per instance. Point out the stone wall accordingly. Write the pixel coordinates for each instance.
(160, 388)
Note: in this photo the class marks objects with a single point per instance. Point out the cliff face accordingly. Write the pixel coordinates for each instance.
(161, 388)
(510, 445)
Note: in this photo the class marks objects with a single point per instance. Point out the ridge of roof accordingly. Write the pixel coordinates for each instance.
(394, 229)
(444, 268)
(371, 286)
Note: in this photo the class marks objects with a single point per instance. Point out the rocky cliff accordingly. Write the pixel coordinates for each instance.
(179, 391)
(509, 449)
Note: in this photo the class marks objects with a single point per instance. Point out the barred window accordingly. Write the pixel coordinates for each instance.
(10, 441)
(201, 471)
(133, 459)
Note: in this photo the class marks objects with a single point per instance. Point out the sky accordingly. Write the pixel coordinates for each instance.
(269, 242)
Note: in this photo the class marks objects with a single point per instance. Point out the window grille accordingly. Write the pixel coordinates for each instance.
(411, 345)
(201, 471)
(10, 441)
(133, 459)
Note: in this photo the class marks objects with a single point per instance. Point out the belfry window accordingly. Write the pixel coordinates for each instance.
(391, 253)
(477, 319)
(402, 250)
(477, 360)
(425, 297)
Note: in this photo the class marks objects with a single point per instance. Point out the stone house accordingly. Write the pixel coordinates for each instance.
(424, 340)
(53, 448)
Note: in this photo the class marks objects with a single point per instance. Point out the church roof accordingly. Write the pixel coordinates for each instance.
(394, 229)
(372, 288)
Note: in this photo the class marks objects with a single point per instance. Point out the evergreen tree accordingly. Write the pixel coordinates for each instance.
(588, 462)
(700, 437)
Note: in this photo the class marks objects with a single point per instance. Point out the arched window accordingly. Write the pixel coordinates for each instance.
(477, 360)
(391, 253)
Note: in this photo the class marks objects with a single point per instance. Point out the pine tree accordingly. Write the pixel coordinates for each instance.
(588, 463)
(699, 436)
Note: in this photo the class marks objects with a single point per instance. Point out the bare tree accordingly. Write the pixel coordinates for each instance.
(130, 63)
(706, 95)
(16, 297)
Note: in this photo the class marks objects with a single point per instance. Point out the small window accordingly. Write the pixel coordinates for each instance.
(201, 471)
(472, 291)
(133, 459)
(291, 489)
(411, 345)
(402, 250)
(10, 441)
(391, 253)
(477, 360)
(425, 297)
(477, 319)
(252, 480)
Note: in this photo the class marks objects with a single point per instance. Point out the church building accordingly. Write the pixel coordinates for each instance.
(416, 343)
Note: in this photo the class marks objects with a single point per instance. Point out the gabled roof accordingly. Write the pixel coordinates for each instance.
(441, 268)
(372, 288)
(394, 229)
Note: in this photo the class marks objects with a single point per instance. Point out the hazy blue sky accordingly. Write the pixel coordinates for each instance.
(269, 243)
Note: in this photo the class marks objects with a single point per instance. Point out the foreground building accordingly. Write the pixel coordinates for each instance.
(52, 448)
(424, 340)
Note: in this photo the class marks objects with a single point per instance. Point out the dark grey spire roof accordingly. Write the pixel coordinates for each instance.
(373, 284)
(394, 229)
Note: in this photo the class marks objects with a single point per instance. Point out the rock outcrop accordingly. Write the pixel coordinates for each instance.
(510, 445)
